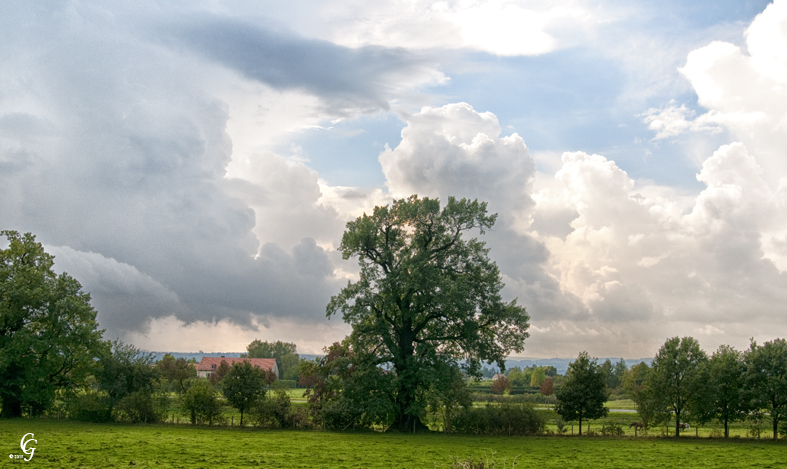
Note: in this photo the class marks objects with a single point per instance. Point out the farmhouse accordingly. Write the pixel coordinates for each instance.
(209, 365)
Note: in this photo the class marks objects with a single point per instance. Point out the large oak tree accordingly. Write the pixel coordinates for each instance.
(48, 330)
(427, 295)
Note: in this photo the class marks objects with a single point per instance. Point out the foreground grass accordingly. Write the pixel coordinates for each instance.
(72, 444)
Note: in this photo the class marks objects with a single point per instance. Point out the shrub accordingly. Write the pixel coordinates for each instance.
(613, 429)
(89, 407)
(274, 411)
(141, 407)
(505, 419)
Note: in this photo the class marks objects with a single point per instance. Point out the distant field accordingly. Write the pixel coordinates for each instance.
(70, 444)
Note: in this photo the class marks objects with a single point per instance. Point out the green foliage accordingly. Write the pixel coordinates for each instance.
(88, 407)
(448, 393)
(634, 378)
(123, 370)
(201, 403)
(243, 386)
(141, 406)
(612, 429)
(426, 296)
(614, 373)
(274, 411)
(538, 376)
(766, 377)
(217, 376)
(726, 386)
(284, 352)
(518, 378)
(505, 419)
(48, 330)
(345, 389)
(676, 382)
(178, 372)
(584, 392)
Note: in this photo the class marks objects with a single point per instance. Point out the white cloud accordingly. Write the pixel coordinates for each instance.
(502, 27)
(745, 92)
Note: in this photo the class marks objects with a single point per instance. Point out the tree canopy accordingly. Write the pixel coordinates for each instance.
(584, 392)
(766, 376)
(48, 330)
(284, 352)
(243, 386)
(676, 381)
(426, 294)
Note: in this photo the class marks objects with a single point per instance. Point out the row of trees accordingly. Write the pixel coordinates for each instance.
(684, 383)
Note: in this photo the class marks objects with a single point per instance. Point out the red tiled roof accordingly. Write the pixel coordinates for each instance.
(266, 364)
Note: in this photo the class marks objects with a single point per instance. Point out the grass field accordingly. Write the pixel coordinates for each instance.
(71, 444)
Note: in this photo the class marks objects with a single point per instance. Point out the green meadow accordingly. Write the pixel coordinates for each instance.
(72, 444)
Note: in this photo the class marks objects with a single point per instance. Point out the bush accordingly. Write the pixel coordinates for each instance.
(505, 419)
(613, 429)
(141, 407)
(89, 407)
(274, 411)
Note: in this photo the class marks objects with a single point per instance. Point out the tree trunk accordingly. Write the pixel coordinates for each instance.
(677, 423)
(726, 430)
(775, 425)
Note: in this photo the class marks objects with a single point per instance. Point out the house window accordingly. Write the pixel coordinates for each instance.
(212, 367)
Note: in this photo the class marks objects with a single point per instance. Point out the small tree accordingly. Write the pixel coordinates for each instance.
(200, 403)
(547, 388)
(583, 394)
(176, 371)
(766, 377)
(501, 385)
(538, 376)
(242, 386)
(218, 375)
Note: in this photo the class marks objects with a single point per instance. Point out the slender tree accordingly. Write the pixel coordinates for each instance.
(426, 296)
(727, 382)
(583, 394)
(766, 377)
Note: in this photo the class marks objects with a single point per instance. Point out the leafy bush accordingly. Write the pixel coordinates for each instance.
(274, 411)
(505, 419)
(613, 429)
(89, 407)
(141, 407)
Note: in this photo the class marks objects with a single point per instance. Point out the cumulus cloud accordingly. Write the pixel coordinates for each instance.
(648, 264)
(744, 92)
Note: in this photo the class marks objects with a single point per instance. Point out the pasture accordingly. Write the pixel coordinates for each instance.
(73, 444)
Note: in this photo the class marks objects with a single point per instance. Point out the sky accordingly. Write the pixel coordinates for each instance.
(193, 163)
